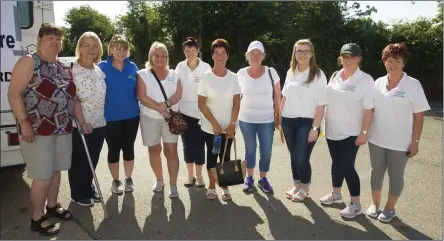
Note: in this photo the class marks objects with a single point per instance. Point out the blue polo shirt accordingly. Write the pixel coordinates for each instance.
(121, 95)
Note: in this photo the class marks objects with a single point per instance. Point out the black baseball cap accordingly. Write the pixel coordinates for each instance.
(351, 49)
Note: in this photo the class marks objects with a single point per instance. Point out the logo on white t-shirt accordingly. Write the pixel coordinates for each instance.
(400, 94)
(350, 88)
(197, 79)
(171, 78)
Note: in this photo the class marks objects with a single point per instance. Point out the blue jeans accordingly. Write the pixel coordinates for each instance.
(296, 132)
(265, 132)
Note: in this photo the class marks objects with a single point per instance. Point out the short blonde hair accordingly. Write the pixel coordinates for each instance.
(116, 41)
(155, 46)
(96, 38)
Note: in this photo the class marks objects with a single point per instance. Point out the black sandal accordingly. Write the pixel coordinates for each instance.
(37, 227)
(52, 212)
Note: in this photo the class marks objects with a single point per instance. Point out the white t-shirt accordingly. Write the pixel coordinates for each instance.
(392, 124)
(347, 101)
(154, 92)
(190, 82)
(257, 96)
(219, 92)
(91, 90)
(302, 98)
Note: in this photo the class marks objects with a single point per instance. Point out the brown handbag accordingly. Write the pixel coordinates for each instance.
(176, 122)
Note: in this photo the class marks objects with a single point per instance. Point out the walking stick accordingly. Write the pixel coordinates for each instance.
(96, 181)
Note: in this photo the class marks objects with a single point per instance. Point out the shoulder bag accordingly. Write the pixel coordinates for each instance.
(176, 122)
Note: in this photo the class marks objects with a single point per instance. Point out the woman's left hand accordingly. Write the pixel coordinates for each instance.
(313, 135)
(230, 130)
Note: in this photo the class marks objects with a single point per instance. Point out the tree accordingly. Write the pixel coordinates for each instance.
(142, 25)
(82, 19)
(425, 42)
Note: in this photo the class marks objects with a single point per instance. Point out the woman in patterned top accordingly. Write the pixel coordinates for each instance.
(42, 95)
(91, 89)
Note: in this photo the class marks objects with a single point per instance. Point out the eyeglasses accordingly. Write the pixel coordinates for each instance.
(305, 52)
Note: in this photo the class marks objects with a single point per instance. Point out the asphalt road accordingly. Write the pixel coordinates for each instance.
(145, 215)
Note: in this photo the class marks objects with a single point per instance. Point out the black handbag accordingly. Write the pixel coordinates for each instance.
(229, 173)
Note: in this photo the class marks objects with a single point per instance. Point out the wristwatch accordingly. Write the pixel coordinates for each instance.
(315, 128)
(364, 132)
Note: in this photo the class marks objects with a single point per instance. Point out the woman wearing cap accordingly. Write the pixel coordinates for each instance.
(42, 95)
(190, 72)
(121, 110)
(219, 97)
(303, 105)
(91, 90)
(400, 103)
(259, 112)
(347, 119)
(154, 110)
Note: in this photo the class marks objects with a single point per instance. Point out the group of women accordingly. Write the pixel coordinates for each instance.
(111, 98)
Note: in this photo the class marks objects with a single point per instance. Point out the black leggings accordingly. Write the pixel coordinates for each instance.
(121, 135)
(212, 158)
(343, 154)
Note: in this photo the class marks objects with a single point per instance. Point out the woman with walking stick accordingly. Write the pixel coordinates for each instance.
(91, 89)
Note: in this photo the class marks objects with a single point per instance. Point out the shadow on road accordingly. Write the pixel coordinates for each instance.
(121, 225)
(206, 220)
(408, 232)
(283, 225)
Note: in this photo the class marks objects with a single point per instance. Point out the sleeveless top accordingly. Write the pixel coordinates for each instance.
(50, 98)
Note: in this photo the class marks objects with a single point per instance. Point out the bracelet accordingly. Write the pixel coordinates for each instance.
(234, 123)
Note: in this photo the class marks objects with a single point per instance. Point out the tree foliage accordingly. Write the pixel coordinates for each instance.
(278, 25)
(82, 19)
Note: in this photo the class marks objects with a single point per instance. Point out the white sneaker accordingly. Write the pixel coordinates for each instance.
(173, 191)
(332, 198)
(129, 185)
(351, 211)
(373, 211)
(117, 186)
(158, 186)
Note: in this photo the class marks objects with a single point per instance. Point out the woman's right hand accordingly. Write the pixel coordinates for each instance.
(27, 132)
(217, 129)
(161, 107)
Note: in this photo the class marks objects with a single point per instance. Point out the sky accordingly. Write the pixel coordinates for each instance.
(388, 11)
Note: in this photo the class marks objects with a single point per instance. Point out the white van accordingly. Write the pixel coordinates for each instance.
(20, 23)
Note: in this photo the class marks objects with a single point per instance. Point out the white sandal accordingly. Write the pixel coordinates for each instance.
(299, 196)
(291, 193)
(226, 194)
(211, 194)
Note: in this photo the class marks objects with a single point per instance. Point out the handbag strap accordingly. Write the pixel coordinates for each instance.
(160, 84)
(225, 150)
(272, 85)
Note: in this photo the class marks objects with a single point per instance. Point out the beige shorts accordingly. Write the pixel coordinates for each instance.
(46, 155)
(155, 130)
